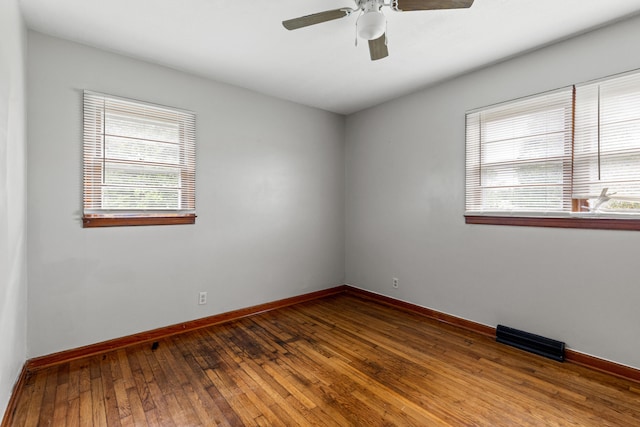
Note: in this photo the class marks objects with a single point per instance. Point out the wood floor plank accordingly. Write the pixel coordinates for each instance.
(231, 394)
(338, 361)
(110, 398)
(162, 412)
(152, 418)
(227, 410)
(138, 417)
(86, 408)
(304, 372)
(196, 386)
(49, 396)
(73, 412)
(124, 368)
(74, 379)
(98, 400)
(283, 398)
(122, 399)
(35, 402)
(143, 390)
(60, 406)
(186, 407)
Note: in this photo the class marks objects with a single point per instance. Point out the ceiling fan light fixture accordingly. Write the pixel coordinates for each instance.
(371, 25)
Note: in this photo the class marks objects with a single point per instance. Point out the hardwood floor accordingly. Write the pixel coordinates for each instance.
(337, 361)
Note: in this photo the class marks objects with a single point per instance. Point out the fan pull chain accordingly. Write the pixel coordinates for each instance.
(357, 20)
(386, 32)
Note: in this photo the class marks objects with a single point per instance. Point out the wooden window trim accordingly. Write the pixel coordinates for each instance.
(592, 223)
(89, 221)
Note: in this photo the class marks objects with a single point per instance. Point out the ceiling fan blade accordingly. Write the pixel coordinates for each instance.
(316, 18)
(409, 5)
(378, 48)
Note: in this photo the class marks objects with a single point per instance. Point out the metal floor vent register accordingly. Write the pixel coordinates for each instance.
(532, 343)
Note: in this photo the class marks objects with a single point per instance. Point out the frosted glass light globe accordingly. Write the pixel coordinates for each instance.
(371, 25)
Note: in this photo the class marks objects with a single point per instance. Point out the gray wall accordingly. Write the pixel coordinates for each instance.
(405, 205)
(270, 204)
(13, 199)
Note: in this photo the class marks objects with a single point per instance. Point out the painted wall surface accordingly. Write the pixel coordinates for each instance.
(13, 199)
(405, 204)
(270, 204)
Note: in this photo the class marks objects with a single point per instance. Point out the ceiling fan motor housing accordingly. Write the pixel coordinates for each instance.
(372, 24)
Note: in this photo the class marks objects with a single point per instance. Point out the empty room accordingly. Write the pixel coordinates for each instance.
(319, 212)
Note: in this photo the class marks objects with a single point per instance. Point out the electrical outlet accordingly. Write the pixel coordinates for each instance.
(395, 283)
(202, 298)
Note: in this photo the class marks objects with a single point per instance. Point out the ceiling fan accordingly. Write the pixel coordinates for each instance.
(371, 24)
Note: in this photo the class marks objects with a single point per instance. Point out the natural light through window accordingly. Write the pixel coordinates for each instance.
(139, 163)
(517, 157)
(570, 154)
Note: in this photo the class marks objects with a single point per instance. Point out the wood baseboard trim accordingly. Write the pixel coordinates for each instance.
(428, 312)
(156, 334)
(601, 365)
(9, 413)
(571, 356)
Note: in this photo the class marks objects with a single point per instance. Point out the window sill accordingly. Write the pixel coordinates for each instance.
(115, 221)
(593, 223)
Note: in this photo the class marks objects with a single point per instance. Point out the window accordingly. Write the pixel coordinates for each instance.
(139, 163)
(607, 146)
(568, 158)
(519, 156)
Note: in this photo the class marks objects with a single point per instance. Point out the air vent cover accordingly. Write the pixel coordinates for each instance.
(532, 343)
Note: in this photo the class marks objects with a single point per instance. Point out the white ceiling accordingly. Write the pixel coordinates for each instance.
(242, 42)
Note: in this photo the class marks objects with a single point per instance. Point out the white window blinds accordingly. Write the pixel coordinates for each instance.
(139, 158)
(607, 144)
(519, 156)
